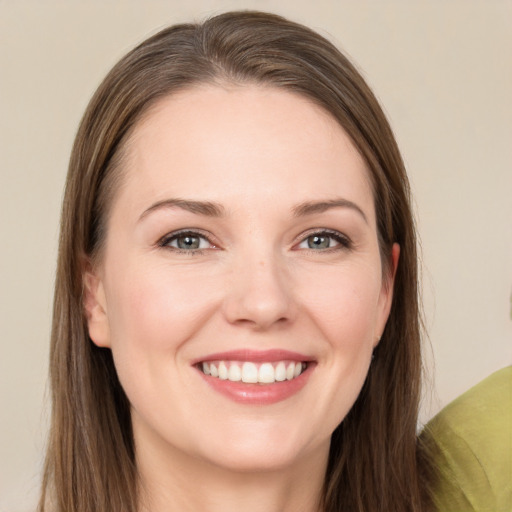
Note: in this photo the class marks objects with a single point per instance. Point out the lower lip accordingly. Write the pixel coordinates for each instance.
(259, 394)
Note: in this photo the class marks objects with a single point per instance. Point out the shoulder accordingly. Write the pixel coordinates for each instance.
(471, 443)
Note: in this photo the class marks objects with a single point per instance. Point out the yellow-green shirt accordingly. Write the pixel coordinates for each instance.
(472, 438)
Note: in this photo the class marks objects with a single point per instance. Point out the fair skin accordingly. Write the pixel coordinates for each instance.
(244, 232)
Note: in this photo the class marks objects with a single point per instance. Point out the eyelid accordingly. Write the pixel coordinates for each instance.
(167, 238)
(344, 241)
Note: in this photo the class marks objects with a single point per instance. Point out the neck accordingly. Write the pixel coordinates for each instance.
(172, 481)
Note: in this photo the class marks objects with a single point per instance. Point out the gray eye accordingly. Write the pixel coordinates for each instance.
(188, 242)
(319, 241)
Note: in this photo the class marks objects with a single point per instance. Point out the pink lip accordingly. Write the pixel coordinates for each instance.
(257, 356)
(257, 394)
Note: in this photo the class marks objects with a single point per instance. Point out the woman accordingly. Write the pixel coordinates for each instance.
(236, 318)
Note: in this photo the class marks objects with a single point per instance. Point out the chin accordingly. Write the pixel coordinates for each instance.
(248, 461)
(262, 451)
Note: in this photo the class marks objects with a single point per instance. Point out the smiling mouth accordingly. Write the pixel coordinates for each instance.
(253, 372)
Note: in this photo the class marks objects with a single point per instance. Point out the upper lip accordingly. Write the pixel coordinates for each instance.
(257, 356)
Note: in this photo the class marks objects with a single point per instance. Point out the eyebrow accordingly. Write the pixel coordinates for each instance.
(210, 209)
(312, 207)
(205, 208)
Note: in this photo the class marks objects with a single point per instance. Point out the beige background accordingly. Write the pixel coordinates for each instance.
(443, 72)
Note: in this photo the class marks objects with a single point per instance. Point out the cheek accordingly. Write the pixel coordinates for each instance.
(157, 309)
(344, 304)
(153, 313)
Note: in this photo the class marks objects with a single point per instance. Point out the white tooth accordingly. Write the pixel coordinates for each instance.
(213, 370)
(298, 369)
(234, 373)
(266, 374)
(223, 371)
(249, 373)
(280, 372)
(206, 369)
(290, 370)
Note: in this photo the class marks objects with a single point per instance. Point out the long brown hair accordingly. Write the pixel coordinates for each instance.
(375, 463)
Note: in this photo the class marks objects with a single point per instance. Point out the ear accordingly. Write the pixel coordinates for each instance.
(386, 293)
(95, 306)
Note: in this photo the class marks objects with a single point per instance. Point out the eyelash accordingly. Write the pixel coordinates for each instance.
(343, 242)
(165, 241)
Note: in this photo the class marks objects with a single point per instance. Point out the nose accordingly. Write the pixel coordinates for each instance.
(260, 294)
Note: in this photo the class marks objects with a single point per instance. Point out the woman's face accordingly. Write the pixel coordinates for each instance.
(242, 244)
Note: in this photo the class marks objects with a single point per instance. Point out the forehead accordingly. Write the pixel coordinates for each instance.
(232, 141)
